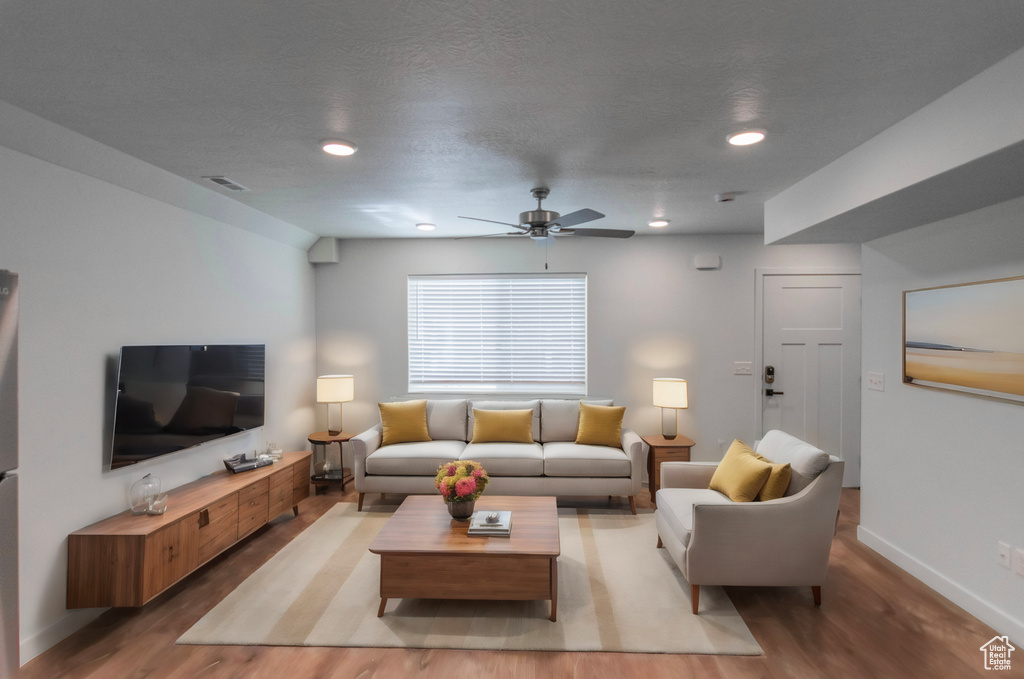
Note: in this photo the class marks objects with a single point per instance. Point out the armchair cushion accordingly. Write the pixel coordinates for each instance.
(675, 506)
(740, 475)
(806, 461)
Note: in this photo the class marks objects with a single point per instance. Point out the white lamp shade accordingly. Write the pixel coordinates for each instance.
(335, 388)
(670, 392)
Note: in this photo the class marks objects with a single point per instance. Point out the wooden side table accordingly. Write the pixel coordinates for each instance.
(663, 450)
(334, 477)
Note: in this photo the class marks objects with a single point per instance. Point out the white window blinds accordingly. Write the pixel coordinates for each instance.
(506, 333)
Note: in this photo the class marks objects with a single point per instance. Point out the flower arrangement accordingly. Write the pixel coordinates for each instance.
(461, 480)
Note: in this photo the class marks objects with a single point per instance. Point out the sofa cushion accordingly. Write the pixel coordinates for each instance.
(533, 405)
(403, 422)
(446, 419)
(502, 426)
(560, 418)
(740, 474)
(507, 459)
(675, 505)
(805, 460)
(413, 459)
(600, 425)
(562, 458)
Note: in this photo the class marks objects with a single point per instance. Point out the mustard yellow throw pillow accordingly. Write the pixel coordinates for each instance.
(778, 480)
(502, 426)
(404, 422)
(600, 425)
(740, 475)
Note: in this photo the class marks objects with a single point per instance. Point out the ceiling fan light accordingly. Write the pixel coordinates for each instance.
(658, 223)
(423, 226)
(338, 147)
(746, 137)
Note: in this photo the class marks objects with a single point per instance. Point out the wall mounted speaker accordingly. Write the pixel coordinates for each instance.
(707, 261)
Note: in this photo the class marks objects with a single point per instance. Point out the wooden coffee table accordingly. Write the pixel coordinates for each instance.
(425, 554)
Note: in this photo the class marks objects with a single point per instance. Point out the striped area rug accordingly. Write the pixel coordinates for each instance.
(616, 592)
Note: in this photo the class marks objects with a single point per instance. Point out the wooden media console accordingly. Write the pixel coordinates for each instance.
(127, 560)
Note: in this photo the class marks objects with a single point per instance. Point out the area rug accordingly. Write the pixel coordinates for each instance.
(616, 592)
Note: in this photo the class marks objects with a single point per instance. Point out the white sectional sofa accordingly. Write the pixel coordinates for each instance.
(553, 464)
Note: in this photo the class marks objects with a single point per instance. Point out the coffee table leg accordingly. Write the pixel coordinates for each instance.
(380, 609)
(554, 588)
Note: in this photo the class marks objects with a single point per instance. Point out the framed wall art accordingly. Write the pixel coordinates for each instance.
(967, 337)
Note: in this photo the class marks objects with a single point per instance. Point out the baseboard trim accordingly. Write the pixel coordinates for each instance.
(998, 619)
(57, 632)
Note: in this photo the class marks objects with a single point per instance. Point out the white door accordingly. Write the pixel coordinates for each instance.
(810, 368)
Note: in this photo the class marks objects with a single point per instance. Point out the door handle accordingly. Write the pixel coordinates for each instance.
(772, 392)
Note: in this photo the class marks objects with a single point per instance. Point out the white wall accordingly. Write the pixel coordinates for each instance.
(651, 314)
(101, 266)
(943, 472)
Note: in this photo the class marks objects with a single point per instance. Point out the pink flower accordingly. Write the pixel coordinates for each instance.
(451, 469)
(445, 490)
(466, 486)
(478, 473)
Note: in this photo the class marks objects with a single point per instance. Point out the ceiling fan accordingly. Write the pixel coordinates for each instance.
(539, 224)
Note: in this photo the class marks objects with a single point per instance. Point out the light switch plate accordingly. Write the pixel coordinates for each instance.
(1003, 555)
(742, 368)
(1018, 561)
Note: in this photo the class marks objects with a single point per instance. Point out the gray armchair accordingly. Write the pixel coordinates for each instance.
(783, 542)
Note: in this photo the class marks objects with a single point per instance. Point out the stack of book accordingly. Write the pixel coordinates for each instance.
(501, 528)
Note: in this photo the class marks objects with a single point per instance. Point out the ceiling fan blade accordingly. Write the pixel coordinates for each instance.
(574, 218)
(491, 235)
(601, 233)
(515, 226)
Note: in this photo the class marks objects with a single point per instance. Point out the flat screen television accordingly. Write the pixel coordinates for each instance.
(171, 398)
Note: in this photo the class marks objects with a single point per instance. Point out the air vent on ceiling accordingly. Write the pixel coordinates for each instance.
(229, 184)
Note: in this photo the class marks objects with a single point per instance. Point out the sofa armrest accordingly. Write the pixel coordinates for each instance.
(687, 474)
(633, 446)
(363, 445)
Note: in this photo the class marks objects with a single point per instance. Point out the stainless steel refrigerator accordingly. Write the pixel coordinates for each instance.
(8, 474)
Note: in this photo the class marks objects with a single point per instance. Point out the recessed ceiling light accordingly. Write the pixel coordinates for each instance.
(746, 137)
(426, 227)
(338, 147)
(658, 223)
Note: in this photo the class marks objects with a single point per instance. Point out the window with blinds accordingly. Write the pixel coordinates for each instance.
(504, 333)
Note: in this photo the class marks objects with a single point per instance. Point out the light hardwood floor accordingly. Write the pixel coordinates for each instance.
(876, 621)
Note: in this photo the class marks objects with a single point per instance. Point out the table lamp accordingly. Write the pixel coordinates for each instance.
(670, 392)
(334, 389)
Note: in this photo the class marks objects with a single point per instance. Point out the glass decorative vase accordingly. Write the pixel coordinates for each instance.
(142, 494)
(461, 511)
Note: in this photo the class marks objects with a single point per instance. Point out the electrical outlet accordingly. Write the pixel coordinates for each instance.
(876, 381)
(1003, 558)
(742, 368)
(1018, 561)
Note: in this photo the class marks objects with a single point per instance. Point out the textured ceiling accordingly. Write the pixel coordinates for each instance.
(459, 108)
